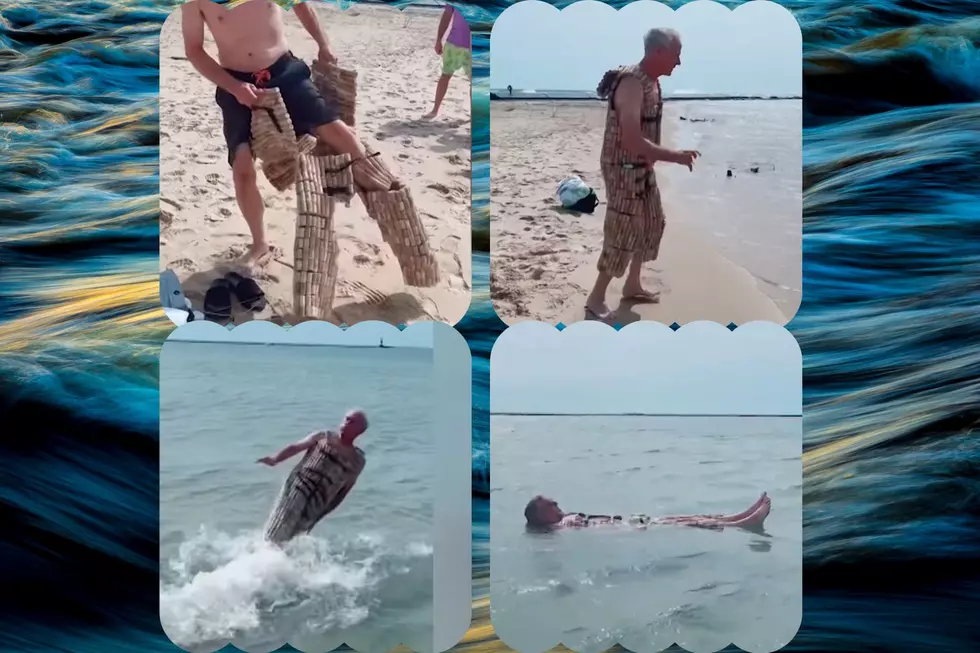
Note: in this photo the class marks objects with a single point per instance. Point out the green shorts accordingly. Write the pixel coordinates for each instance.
(454, 58)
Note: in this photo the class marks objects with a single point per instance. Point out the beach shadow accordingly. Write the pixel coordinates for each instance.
(397, 308)
(445, 133)
(625, 313)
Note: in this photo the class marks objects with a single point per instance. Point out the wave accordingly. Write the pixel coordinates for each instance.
(219, 587)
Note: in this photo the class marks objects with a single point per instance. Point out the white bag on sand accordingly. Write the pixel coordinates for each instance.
(572, 190)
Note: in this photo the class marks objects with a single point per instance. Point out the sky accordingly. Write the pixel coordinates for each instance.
(754, 50)
(702, 369)
(309, 333)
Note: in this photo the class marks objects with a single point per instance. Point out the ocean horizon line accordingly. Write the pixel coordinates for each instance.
(492, 412)
(503, 95)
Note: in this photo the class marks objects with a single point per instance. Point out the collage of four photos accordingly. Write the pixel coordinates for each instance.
(316, 247)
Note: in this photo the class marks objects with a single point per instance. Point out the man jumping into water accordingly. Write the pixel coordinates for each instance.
(320, 481)
(543, 513)
(253, 56)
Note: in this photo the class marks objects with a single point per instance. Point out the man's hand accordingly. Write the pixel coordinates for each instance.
(326, 55)
(685, 158)
(439, 48)
(248, 94)
(268, 460)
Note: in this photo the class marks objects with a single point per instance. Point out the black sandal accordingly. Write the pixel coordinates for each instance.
(217, 303)
(248, 293)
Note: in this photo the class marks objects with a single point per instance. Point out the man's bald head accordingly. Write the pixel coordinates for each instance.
(354, 424)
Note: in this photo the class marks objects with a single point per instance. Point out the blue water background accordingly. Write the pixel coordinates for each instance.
(888, 326)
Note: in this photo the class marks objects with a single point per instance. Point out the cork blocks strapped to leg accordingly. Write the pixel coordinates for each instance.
(340, 84)
(387, 201)
(274, 140)
(315, 249)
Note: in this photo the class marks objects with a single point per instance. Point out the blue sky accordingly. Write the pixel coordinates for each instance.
(703, 369)
(755, 50)
(309, 333)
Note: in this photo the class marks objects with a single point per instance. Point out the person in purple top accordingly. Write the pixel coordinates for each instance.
(455, 52)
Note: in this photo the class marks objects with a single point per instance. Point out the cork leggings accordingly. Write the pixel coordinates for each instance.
(634, 223)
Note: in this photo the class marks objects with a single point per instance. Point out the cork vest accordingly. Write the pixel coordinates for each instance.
(315, 488)
(651, 112)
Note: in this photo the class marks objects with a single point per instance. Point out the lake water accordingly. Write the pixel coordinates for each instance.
(754, 218)
(365, 572)
(591, 588)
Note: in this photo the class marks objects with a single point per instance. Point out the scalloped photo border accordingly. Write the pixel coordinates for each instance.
(667, 14)
(655, 335)
(452, 544)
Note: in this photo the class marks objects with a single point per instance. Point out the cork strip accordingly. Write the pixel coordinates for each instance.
(398, 219)
(340, 85)
(315, 250)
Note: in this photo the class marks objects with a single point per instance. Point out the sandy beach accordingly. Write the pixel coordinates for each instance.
(202, 232)
(730, 265)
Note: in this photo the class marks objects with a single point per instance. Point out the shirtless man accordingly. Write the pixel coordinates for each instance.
(543, 513)
(253, 55)
(634, 222)
(321, 480)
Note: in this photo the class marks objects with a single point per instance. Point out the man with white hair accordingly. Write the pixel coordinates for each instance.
(634, 223)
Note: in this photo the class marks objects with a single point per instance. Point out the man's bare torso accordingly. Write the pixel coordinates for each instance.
(250, 37)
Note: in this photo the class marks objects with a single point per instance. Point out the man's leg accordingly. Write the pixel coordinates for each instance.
(613, 260)
(633, 288)
(441, 87)
(341, 138)
(250, 202)
(648, 250)
(596, 303)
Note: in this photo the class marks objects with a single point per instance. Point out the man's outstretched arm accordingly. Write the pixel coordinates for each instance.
(291, 450)
(192, 26)
(308, 19)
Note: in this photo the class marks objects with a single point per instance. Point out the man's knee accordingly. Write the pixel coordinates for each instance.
(243, 166)
(336, 129)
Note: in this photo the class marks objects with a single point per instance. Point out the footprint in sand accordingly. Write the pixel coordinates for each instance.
(363, 260)
(450, 244)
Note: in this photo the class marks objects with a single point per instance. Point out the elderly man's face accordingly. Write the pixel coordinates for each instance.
(668, 58)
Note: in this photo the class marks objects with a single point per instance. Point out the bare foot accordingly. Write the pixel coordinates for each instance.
(637, 293)
(429, 116)
(598, 311)
(258, 256)
(757, 518)
(745, 513)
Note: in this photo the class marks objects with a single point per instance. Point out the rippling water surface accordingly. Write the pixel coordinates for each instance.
(366, 571)
(589, 588)
(888, 324)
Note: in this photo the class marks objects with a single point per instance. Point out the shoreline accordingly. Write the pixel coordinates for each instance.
(543, 258)
(544, 97)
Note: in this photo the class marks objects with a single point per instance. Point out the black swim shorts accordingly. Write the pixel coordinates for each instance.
(307, 108)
